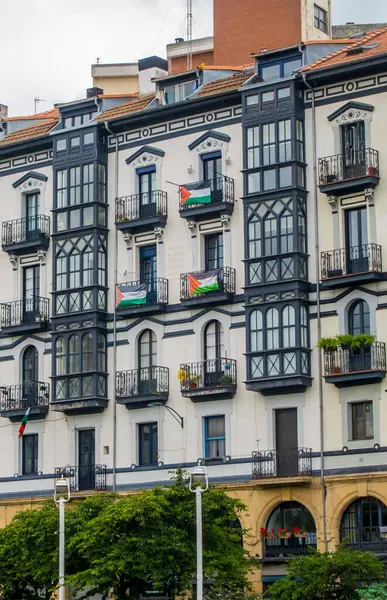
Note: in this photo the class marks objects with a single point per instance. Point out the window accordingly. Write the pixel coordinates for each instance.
(148, 450)
(88, 183)
(101, 183)
(283, 94)
(284, 141)
(268, 144)
(74, 354)
(87, 352)
(361, 523)
(74, 270)
(288, 327)
(300, 140)
(61, 145)
(279, 69)
(320, 18)
(75, 142)
(286, 232)
(252, 100)
(253, 149)
(281, 330)
(362, 421)
(30, 454)
(256, 331)
(271, 72)
(60, 354)
(289, 515)
(88, 138)
(147, 349)
(146, 187)
(270, 236)
(101, 352)
(213, 251)
(215, 437)
(213, 341)
(170, 94)
(304, 326)
(359, 318)
(178, 93)
(272, 329)
(61, 187)
(75, 185)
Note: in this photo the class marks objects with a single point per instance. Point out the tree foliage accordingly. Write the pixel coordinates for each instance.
(377, 591)
(328, 576)
(129, 544)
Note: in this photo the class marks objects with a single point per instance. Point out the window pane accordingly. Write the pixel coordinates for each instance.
(75, 185)
(88, 183)
(283, 93)
(87, 352)
(252, 100)
(270, 72)
(61, 145)
(74, 354)
(285, 176)
(60, 352)
(61, 184)
(75, 142)
(256, 331)
(272, 329)
(253, 183)
(30, 454)
(88, 138)
(269, 180)
(75, 219)
(291, 65)
(215, 437)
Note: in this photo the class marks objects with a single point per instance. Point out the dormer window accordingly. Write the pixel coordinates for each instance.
(179, 92)
(280, 68)
(78, 120)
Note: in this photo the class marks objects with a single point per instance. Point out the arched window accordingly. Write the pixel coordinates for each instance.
(256, 331)
(293, 517)
(74, 354)
(272, 329)
(60, 356)
(359, 318)
(213, 341)
(147, 350)
(87, 352)
(361, 523)
(288, 326)
(30, 364)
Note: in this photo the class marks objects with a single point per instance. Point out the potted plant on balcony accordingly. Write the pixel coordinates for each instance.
(266, 534)
(298, 532)
(284, 532)
(372, 171)
(194, 381)
(226, 380)
(329, 345)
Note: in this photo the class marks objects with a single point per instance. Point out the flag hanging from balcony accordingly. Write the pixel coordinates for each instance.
(207, 282)
(130, 295)
(24, 422)
(196, 193)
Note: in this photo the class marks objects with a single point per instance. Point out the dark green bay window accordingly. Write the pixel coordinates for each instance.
(276, 240)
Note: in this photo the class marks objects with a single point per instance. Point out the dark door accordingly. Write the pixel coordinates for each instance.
(353, 143)
(286, 442)
(148, 271)
(356, 240)
(147, 355)
(213, 354)
(30, 376)
(32, 216)
(213, 251)
(212, 173)
(147, 191)
(86, 459)
(31, 286)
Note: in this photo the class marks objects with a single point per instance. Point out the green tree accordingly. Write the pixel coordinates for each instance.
(148, 541)
(328, 576)
(377, 591)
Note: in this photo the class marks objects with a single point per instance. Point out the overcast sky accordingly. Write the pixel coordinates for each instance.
(47, 46)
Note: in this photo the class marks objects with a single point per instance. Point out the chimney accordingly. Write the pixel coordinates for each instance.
(150, 68)
(93, 91)
(3, 111)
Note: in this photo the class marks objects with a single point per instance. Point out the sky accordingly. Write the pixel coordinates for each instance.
(47, 46)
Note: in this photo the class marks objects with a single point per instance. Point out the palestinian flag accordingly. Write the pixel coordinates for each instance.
(24, 422)
(197, 193)
(207, 282)
(130, 295)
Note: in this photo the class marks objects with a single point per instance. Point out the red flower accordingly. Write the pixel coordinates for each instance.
(264, 531)
(296, 529)
(283, 530)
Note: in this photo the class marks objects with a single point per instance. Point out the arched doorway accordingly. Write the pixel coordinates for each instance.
(362, 525)
(30, 375)
(290, 531)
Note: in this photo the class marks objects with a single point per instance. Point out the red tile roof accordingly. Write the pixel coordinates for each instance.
(48, 114)
(227, 84)
(29, 133)
(127, 108)
(369, 45)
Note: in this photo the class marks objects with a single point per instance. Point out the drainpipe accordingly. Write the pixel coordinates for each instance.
(318, 299)
(115, 271)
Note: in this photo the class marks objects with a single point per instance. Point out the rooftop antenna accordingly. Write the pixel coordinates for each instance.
(36, 102)
(189, 35)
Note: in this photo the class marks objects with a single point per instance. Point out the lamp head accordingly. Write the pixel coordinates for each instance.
(154, 404)
(62, 489)
(199, 478)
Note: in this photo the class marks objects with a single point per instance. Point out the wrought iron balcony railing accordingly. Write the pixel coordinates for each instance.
(222, 281)
(351, 164)
(141, 206)
(355, 360)
(208, 374)
(23, 312)
(29, 229)
(293, 462)
(142, 382)
(366, 258)
(365, 538)
(30, 394)
(221, 190)
(277, 547)
(84, 477)
(140, 293)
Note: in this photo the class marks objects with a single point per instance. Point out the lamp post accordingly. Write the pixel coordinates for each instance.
(198, 483)
(61, 495)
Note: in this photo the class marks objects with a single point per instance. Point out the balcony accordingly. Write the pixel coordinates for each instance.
(207, 287)
(350, 172)
(277, 548)
(346, 266)
(22, 236)
(205, 200)
(276, 372)
(31, 314)
(139, 387)
(370, 539)
(212, 379)
(84, 478)
(16, 399)
(141, 212)
(141, 297)
(345, 367)
(278, 467)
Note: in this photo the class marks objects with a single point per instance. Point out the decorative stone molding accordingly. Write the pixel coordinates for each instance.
(352, 115)
(211, 144)
(333, 202)
(128, 239)
(192, 228)
(159, 233)
(42, 255)
(370, 196)
(14, 261)
(226, 222)
(145, 160)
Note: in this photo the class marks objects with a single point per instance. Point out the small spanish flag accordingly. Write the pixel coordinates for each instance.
(24, 422)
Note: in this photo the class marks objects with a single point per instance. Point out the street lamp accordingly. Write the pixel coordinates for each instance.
(61, 495)
(198, 483)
